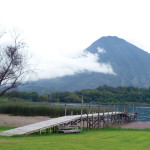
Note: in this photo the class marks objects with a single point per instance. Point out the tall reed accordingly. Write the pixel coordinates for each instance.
(38, 109)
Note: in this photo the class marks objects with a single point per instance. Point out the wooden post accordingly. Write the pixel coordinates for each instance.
(112, 118)
(89, 109)
(98, 116)
(103, 116)
(72, 113)
(115, 114)
(81, 112)
(87, 117)
(92, 120)
(65, 109)
(122, 116)
(40, 132)
(128, 116)
(117, 108)
(49, 130)
(108, 116)
(125, 114)
(114, 108)
(136, 113)
(77, 124)
(83, 122)
(46, 130)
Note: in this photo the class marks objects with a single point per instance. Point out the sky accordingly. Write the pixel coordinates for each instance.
(58, 31)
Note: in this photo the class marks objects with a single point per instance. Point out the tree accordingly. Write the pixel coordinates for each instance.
(34, 96)
(13, 64)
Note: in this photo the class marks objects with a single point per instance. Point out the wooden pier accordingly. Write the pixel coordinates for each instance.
(74, 123)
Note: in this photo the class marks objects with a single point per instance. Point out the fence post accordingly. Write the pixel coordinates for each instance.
(98, 116)
(108, 115)
(65, 109)
(92, 120)
(81, 111)
(89, 109)
(87, 116)
(103, 116)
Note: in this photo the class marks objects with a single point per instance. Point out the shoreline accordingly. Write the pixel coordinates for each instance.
(18, 121)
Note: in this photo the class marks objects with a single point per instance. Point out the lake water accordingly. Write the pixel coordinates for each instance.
(143, 112)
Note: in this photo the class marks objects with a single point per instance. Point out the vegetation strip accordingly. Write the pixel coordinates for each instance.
(103, 94)
(39, 109)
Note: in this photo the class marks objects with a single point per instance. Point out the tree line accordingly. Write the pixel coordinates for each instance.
(103, 94)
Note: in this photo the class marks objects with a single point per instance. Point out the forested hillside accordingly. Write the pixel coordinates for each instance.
(102, 94)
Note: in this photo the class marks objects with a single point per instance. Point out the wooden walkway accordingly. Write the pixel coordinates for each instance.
(37, 127)
(43, 125)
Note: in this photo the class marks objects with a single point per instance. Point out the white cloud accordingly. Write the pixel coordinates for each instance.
(101, 50)
(57, 31)
(61, 65)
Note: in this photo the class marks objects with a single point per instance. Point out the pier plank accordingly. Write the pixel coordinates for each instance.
(28, 129)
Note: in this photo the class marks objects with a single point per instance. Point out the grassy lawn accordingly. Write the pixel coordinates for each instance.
(103, 139)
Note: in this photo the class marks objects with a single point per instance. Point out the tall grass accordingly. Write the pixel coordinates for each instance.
(38, 109)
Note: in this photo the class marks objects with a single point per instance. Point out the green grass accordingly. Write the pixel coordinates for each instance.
(4, 99)
(5, 128)
(103, 139)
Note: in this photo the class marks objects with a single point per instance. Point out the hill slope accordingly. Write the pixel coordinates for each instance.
(130, 63)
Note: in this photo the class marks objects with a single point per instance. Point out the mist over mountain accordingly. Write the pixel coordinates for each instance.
(130, 65)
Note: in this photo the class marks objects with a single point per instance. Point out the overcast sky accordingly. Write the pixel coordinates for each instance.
(57, 31)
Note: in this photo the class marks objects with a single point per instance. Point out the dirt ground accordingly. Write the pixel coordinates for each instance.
(136, 125)
(18, 121)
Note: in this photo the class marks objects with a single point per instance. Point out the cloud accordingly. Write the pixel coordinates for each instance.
(58, 65)
(101, 50)
(51, 62)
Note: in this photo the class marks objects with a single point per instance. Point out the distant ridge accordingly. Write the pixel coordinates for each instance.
(130, 63)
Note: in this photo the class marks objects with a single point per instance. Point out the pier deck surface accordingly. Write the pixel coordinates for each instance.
(48, 124)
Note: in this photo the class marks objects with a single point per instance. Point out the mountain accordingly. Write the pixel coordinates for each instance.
(130, 63)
